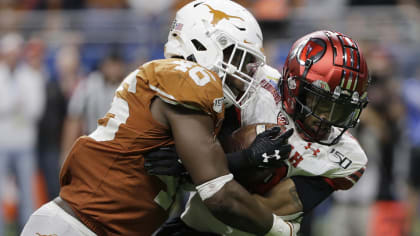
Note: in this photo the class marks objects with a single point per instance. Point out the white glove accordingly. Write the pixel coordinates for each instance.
(283, 228)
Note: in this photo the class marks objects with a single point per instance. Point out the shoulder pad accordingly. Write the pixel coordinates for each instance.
(183, 82)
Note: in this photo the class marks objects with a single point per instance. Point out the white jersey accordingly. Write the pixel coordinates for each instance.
(341, 164)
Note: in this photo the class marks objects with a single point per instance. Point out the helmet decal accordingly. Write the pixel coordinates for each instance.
(351, 57)
(314, 49)
(350, 60)
(220, 15)
(296, 50)
(176, 26)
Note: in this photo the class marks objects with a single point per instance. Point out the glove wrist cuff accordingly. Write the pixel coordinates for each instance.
(247, 155)
(239, 160)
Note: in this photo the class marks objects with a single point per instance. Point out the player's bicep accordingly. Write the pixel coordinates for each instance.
(199, 150)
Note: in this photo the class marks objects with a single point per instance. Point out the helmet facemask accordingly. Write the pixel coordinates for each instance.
(237, 73)
(318, 110)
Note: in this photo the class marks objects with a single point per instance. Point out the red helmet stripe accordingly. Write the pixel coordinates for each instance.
(351, 61)
(349, 57)
(356, 59)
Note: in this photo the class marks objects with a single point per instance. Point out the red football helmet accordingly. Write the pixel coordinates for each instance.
(325, 77)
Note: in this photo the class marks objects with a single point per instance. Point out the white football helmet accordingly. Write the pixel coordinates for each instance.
(222, 36)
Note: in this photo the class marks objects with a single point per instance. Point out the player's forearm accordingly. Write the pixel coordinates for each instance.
(234, 206)
(283, 199)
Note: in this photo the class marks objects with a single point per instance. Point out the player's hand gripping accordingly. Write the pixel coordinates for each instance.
(268, 150)
(164, 161)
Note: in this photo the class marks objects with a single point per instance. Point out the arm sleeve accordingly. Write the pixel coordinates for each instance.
(312, 191)
(347, 182)
(230, 124)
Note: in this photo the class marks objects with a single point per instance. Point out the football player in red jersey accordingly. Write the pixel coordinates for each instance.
(320, 93)
(105, 189)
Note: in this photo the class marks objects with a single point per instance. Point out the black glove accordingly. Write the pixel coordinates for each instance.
(164, 161)
(268, 150)
(265, 151)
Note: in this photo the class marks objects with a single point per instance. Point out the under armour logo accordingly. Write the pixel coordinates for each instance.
(275, 155)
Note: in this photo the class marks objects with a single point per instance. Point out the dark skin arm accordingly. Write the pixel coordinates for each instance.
(204, 159)
(297, 194)
(283, 199)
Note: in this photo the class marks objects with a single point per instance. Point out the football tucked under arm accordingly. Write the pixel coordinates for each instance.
(256, 151)
(243, 137)
(252, 176)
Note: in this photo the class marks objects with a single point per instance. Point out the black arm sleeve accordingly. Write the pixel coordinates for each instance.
(230, 124)
(236, 161)
(312, 191)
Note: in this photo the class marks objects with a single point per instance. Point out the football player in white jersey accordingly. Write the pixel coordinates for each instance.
(320, 94)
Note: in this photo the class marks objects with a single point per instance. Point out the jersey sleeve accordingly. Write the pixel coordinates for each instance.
(344, 183)
(351, 163)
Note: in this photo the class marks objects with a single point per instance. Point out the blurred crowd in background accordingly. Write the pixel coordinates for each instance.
(61, 60)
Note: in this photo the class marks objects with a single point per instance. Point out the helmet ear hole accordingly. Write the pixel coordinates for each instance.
(198, 46)
(291, 83)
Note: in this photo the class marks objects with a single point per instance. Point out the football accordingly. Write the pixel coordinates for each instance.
(241, 139)
(244, 136)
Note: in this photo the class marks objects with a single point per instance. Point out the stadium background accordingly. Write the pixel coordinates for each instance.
(79, 34)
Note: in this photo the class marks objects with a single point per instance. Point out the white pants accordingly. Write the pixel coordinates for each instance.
(50, 219)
